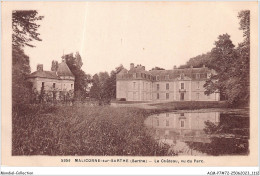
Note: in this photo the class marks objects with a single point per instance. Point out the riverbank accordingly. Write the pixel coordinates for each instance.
(172, 106)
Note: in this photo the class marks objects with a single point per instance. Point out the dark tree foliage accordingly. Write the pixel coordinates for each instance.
(158, 68)
(20, 69)
(243, 68)
(104, 86)
(99, 90)
(24, 31)
(232, 66)
(111, 82)
(25, 27)
(54, 65)
(82, 80)
(198, 61)
(223, 60)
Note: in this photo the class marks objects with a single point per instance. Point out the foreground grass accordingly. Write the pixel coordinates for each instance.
(47, 130)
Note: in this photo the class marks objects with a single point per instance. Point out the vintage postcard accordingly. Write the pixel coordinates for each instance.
(129, 84)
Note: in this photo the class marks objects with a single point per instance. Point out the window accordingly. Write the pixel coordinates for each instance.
(157, 77)
(134, 75)
(182, 114)
(146, 86)
(167, 114)
(134, 84)
(53, 85)
(158, 86)
(198, 96)
(198, 84)
(158, 123)
(43, 84)
(71, 86)
(167, 122)
(182, 85)
(167, 77)
(167, 96)
(134, 95)
(197, 76)
(158, 96)
(143, 85)
(182, 123)
(167, 86)
(182, 76)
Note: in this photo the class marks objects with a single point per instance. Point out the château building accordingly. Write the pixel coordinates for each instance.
(56, 82)
(137, 84)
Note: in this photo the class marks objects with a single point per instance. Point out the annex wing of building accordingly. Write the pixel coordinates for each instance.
(137, 84)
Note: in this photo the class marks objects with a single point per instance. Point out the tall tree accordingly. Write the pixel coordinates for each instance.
(223, 60)
(99, 90)
(25, 27)
(82, 80)
(243, 68)
(110, 86)
(232, 66)
(24, 31)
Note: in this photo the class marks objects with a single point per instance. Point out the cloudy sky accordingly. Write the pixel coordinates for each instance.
(153, 34)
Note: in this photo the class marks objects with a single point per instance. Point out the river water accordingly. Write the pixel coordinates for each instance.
(202, 133)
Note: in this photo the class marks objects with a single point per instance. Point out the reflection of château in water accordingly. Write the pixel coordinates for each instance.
(185, 127)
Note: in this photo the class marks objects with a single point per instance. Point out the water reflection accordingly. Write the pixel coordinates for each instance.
(201, 133)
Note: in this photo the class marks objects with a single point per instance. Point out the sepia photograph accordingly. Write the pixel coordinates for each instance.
(90, 80)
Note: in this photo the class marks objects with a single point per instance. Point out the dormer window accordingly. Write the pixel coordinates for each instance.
(157, 77)
(182, 76)
(134, 75)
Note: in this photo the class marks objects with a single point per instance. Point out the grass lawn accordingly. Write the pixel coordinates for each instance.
(75, 130)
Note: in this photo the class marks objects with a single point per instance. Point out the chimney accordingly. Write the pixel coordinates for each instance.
(143, 67)
(132, 66)
(40, 67)
(174, 67)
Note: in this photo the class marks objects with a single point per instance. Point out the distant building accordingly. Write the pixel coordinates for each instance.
(54, 82)
(137, 84)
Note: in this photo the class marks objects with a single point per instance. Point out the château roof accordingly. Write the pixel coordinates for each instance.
(139, 72)
(44, 74)
(63, 70)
